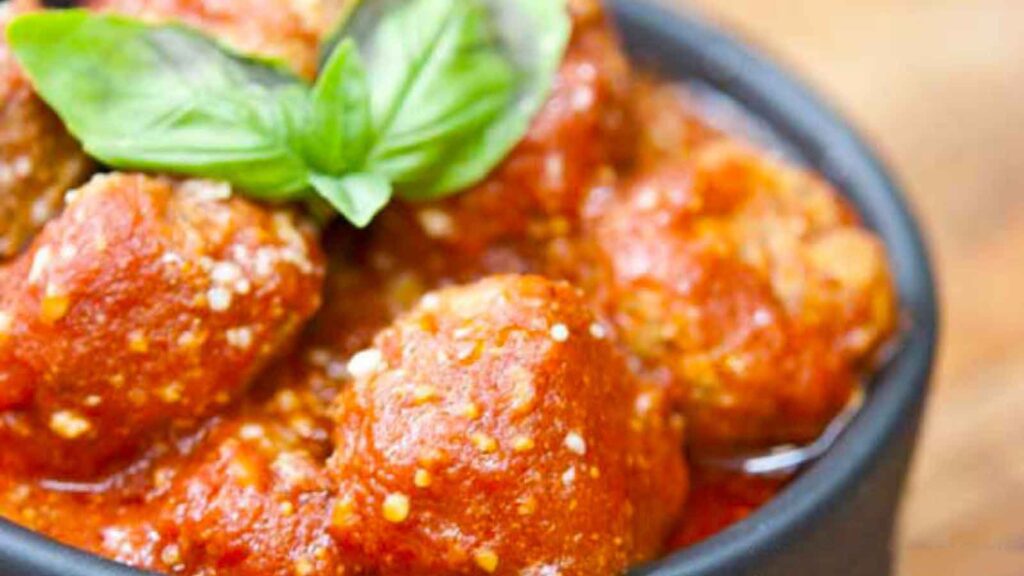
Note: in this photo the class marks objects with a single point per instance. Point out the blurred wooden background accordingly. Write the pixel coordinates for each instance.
(939, 86)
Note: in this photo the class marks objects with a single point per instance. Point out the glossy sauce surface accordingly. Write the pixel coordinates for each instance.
(507, 381)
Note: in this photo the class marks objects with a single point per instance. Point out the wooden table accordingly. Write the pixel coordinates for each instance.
(939, 86)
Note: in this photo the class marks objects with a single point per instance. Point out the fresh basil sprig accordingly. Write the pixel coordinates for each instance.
(148, 97)
(422, 97)
(457, 81)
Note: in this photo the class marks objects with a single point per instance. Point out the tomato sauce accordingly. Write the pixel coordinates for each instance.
(718, 500)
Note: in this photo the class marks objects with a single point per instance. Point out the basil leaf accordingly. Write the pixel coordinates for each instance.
(436, 79)
(164, 98)
(447, 89)
(359, 197)
(338, 136)
(467, 77)
(534, 35)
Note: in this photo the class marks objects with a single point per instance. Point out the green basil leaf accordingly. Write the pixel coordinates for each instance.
(359, 197)
(455, 84)
(165, 98)
(340, 129)
(534, 35)
(436, 76)
(447, 89)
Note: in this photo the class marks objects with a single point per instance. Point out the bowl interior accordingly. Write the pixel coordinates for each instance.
(680, 46)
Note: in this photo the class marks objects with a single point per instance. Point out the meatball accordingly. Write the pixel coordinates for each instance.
(583, 125)
(39, 160)
(288, 30)
(250, 501)
(149, 303)
(490, 430)
(829, 273)
(753, 284)
(505, 223)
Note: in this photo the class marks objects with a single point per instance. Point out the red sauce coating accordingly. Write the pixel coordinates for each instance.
(748, 369)
(250, 502)
(147, 304)
(489, 428)
(719, 500)
(712, 298)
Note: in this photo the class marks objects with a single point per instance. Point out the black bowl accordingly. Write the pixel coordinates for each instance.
(837, 518)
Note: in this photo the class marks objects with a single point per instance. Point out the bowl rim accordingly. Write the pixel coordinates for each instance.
(684, 45)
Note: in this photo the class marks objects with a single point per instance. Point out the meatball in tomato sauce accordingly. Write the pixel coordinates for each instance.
(752, 284)
(491, 429)
(148, 304)
(250, 501)
(503, 381)
(532, 200)
(39, 160)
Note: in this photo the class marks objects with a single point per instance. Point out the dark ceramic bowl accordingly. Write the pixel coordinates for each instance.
(837, 518)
